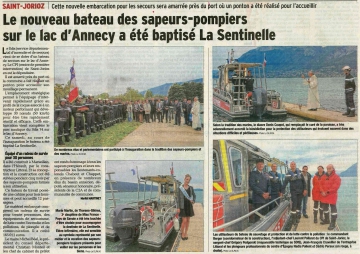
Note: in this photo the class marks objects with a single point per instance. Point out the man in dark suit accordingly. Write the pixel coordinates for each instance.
(307, 178)
(260, 185)
(166, 107)
(153, 110)
(184, 108)
(177, 112)
(159, 109)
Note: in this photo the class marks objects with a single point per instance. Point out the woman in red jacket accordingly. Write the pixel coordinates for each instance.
(316, 194)
(330, 184)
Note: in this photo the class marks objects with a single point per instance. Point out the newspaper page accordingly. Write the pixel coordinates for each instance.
(176, 126)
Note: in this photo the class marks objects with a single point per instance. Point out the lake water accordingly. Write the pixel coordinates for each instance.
(292, 90)
(127, 197)
(347, 204)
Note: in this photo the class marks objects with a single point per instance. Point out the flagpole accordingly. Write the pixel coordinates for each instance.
(264, 65)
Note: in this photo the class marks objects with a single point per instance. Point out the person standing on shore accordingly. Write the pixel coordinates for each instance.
(195, 111)
(349, 92)
(330, 185)
(297, 191)
(185, 200)
(313, 102)
(316, 195)
(307, 178)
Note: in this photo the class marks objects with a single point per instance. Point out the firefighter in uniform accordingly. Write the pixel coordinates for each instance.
(297, 190)
(99, 115)
(329, 187)
(78, 113)
(90, 117)
(106, 113)
(260, 185)
(349, 92)
(111, 113)
(61, 116)
(275, 186)
(68, 104)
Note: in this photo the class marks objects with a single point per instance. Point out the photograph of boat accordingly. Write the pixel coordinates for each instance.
(235, 162)
(285, 84)
(241, 91)
(143, 215)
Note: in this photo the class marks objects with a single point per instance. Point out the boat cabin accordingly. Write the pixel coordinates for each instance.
(233, 160)
(241, 91)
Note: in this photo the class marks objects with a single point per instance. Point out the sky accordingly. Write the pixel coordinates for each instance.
(113, 69)
(341, 153)
(123, 171)
(220, 54)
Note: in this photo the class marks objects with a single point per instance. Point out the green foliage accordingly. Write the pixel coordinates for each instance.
(105, 138)
(176, 91)
(148, 94)
(193, 89)
(102, 96)
(132, 95)
(60, 91)
(187, 90)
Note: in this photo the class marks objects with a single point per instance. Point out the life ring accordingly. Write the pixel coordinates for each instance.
(149, 213)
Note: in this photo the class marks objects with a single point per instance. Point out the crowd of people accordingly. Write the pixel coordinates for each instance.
(267, 187)
(95, 115)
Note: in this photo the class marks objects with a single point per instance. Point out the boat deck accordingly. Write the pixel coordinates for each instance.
(152, 236)
(195, 243)
(322, 115)
(308, 224)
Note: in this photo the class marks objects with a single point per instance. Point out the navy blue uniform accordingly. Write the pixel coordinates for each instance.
(275, 184)
(259, 183)
(349, 92)
(297, 187)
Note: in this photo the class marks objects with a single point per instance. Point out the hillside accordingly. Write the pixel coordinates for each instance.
(129, 187)
(350, 172)
(164, 88)
(291, 62)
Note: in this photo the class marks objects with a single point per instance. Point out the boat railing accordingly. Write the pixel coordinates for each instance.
(224, 93)
(147, 218)
(163, 216)
(256, 211)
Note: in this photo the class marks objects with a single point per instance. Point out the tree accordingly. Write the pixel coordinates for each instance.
(148, 94)
(132, 95)
(193, 89)
(176, 91)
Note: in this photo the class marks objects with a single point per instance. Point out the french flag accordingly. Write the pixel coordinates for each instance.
(264, 63)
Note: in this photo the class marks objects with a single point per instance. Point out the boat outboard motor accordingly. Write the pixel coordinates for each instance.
(259, 98)
(126, 223)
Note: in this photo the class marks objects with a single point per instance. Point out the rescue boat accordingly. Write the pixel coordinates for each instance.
(148, 221)
(241, 91)
(233, 160)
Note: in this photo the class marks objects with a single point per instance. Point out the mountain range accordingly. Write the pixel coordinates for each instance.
(350, 172)
(291, 62)
(164, 88)
(132, 187)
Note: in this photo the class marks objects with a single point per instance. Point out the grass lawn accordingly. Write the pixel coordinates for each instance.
(105, 138)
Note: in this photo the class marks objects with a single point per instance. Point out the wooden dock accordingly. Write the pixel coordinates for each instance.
(195, 243)
(163, 135)
(308, 224)
(321, 115)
